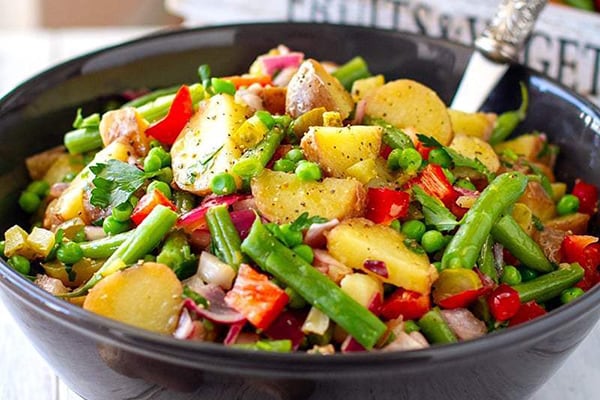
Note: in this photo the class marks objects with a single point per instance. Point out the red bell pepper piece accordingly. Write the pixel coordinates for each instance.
(587, 195)
(585, 250)
(384, 151)
(527, 312)
(409, 304)
(167, 129)
(504, 302)
(147, 204)
(385, 205)
(422, 149)
(256, 297)
(460, 300)
(435, 183)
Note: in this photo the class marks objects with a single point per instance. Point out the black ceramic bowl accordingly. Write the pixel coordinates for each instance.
(102, 359)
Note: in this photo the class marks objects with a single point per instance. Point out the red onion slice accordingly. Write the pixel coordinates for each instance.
(234, 332)
(315, 235)
(185, 326)
(377, 267)
(217, 310)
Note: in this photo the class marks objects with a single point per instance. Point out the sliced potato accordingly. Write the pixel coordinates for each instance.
(311, 87)
(81, 271)
(405, 103)
(282, 197)
(476, 124)
(362, 287)
(338, 148)
(357, 240)
(529, 146)
(125, 125)
(65, 164)
(576, 223)
(362, 87)
(38, 164)
(147, 296)
(310, 118)
(476, 148)
(205, 147)
(538, 201)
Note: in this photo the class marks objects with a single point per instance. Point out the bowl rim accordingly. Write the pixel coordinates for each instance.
(222, 358)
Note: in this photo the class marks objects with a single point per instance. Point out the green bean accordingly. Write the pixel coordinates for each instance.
(509, 233)
(317, 289)
(392, 136)
(435, 329)
(177, 254)
(486, 262)
(103, 248)
(158, 108)
(465, 246)
(508, 121)
(351, 71)
(147, 98)
(550, 285)
(224, 236)
(143, 240)
(254, 160)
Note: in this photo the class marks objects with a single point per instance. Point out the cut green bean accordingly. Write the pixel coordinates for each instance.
(465, 246)
(103, 248)
(254, 160)
(509, 233)
(351, 71)
(177, 254)
(550, 285)
(159, 107)
(435, 328)
(82, 140)
(392, 136)
(224, 236)
(317, 289)
(508, 121)
(147, 98)
(143, 240)
(486, 262)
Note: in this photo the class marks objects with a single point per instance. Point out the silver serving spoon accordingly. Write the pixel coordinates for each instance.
(495, 49)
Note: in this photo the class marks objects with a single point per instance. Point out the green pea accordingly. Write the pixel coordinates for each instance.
(111, 226)
(165, 175)
(410, 160)
(440, 157)
(570, 294)
(29, 202)
(294, 155)
(414, 229)
(465, 184)
(432, 241)
(152, 163)
(395, 225)
(69, 252)
(291, 237)
(222, 86)
(284, 165)
(41, 188)
(2, 247)
(223, 183)
(122, 212)
(165, 158)
(305, 252)
(511, 275)
(161, 186)
(527, 274)
(79, 236)
(568, 204)
(308, 171)
(393, 160)
(295, 300)
(20, 264)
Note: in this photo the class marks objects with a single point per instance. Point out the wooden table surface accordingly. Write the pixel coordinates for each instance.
(24, 375)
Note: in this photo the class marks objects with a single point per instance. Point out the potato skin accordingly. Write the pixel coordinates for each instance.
(405, 103)
(312, 87)
(147, 296)
(283, 197)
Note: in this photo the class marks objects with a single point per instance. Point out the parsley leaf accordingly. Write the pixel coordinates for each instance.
(435, 212)
(458, 159)
(115, 181)
(304, 221)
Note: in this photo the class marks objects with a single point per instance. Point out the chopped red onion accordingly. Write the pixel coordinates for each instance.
(57, 189)
(377, 266)
(405, 341)
(194, 219)
(315, 235)
(359, 115)
(93, 232)
(351, 345)
(464, 324)
(288, 325)
(234, 332)
(243, 220)
(214, 271)
(185, 326)
(217, 311)
(273, 63)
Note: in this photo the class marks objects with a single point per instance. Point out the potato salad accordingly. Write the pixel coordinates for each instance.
(306, 206)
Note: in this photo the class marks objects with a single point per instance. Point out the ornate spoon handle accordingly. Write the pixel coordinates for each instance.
(511, 26)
